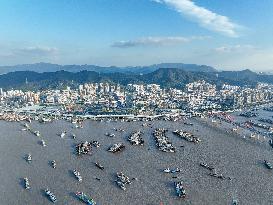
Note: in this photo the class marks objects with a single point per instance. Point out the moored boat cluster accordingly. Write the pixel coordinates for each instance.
(122, 180)
(116, 147)
(180, 190)
(162, 141)
(136, 139)
(14, 117)
(213, 171)
(187, 136)
(84, 148)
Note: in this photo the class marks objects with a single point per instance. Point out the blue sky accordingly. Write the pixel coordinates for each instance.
(229, 35)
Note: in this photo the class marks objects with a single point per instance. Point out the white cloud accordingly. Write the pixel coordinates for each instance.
(156, 41)
(204, 17)
(235, 48)
(13, 54)
(37, 51)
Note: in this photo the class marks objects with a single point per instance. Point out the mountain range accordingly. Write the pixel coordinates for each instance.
(48, 67)
(166, 77)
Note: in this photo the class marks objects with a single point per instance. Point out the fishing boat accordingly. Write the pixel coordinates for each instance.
(77, 175)
(167, 170)
(29, 158)
(205, 165)
(86, 199)
(37, 133)
(26, 181)
(121, 185)
(99, 166)
(62, 134)
(96, 144)
(267, 164)
(53, 163)
(116, 147)
(43, 143)
(51, 196)
(180, 191)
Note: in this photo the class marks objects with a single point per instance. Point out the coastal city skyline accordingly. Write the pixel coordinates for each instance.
(228, 35)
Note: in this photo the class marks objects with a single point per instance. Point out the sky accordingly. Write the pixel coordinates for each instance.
(226, 34)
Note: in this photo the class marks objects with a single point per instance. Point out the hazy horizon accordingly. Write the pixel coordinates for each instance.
(144, 65)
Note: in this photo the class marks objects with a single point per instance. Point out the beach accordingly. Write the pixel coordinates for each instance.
(234, 157)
